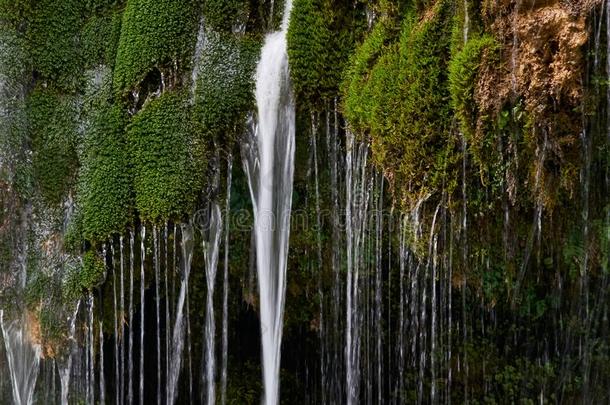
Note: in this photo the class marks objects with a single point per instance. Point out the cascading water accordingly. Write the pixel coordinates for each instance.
(211, 246)
(23, 358)
(187, 245)
(269, 165)
(64, 368)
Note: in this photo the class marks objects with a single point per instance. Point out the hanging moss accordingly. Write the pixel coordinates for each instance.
(463, 72)
(53, 129)
(53, 34)
(105, 196)
(357, 100)
(320, 38)
(80, 279)
(154, 33)
(402, 100)
(167, 160)
(225, 15)
(225, 95)
(100, 37)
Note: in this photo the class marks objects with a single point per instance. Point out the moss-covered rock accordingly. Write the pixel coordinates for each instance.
(154, 33)
(223, 96)
(397, 93)
(226, 15)
(53, 34)
(105, 194)
(167, 160)
(321, 36)
(53, 127)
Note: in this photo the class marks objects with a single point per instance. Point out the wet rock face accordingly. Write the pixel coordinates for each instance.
(543, 49)
(543, 54)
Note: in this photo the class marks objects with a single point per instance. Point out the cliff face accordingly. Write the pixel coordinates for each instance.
(463, 144)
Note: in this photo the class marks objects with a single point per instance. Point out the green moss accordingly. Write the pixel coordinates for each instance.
(53, 130)
(397, 94)
(224, 15)
(463, 74)
(224, 95)
(321, 36)
(105, 195)
(86, 278)
(100, 38)
(154, 33)
(357, 100)
(53, 34)
(167, 160)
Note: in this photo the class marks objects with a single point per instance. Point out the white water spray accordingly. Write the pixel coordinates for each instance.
(269, 165)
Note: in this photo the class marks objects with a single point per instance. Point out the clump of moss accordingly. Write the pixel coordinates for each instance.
(100, 39)
(53, 129)
(463, 74)
(167, 161)
(154, 33)
(79, 279)
(396, 92)
(321, 36)
(224, 96)
(105, 185)
(53, 34)
(356, 88)
(225, 15)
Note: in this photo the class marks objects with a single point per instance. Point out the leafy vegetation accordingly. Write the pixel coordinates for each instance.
(154, 33)
(168, 162)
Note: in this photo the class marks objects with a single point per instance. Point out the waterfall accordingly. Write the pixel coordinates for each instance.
(65, 369)
(269, 165)
(23, 358)
(211, 244)
(90, 351)
(178, 332)
(357, 187)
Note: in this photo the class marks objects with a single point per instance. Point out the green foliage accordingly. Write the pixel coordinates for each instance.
(14, 63)
(53, 130)
(358, 102)
(105, 195)
(154, 33)
(99, 38)
(53, 34)
(463, 70)
(224, 95)
(320, 38)
(223, 15)
(397, 94)
(85, 278)
(167, 160)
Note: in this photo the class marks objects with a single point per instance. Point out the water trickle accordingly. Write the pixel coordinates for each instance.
(269, 165)
(121, 383)
(23, 358)
(186, 244)
(211, 244)
(64, 366)
(158, 311)
(115, 319)
(131, 324)
(142, 287)
(90, 346)
(102, 378)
